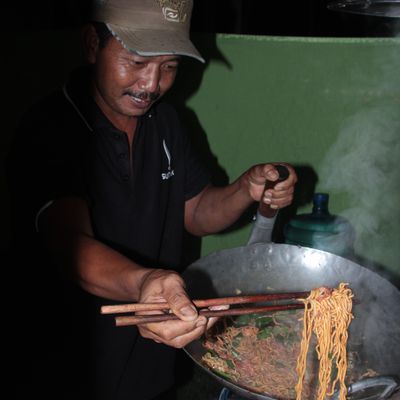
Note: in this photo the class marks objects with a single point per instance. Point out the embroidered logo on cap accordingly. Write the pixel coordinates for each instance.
(173, 10)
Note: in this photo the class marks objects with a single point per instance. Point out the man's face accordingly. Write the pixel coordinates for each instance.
(128, 84)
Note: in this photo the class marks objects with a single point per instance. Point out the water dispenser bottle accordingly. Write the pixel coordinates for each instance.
(321, 230)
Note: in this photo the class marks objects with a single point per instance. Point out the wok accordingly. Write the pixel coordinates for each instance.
(269, 267)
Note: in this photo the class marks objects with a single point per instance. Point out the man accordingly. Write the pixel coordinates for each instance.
(113, 183)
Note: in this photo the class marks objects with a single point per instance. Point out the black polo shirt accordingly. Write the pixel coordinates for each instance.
(66, 147)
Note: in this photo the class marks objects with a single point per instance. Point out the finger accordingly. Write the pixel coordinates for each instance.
(281, 203)
(174, 333)
(278, 197)
(290, 181)
(270, 172)
(173, 292)
(181, 306)
(281, 194)
(183, 340)
(288, 184)
(211, 322)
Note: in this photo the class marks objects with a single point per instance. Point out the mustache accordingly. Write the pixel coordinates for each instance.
(143, 95)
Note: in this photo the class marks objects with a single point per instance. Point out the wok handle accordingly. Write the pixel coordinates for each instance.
(388, 385)
(261, 231)
(265, 218)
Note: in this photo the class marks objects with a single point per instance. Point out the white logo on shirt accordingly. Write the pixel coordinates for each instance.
(170, 173)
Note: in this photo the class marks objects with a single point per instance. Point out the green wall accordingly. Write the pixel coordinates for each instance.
(331, 107)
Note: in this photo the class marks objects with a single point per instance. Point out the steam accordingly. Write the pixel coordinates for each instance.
(364, 165)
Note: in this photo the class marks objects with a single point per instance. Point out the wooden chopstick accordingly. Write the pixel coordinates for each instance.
(127, 320)
(124, 308)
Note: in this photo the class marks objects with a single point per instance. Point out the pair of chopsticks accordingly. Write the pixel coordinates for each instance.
(166, 314)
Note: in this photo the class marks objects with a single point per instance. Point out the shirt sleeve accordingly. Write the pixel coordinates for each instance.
(43, 165)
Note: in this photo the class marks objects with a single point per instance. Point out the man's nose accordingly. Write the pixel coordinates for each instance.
(150, 80)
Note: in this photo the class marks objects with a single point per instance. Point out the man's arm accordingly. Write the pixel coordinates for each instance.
(216, 208)
(99, 269)
(102, 271)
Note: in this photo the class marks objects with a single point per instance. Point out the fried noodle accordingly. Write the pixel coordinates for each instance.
(328, 314)
(271, 353)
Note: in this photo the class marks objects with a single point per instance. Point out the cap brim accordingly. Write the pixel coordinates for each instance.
(155, 42)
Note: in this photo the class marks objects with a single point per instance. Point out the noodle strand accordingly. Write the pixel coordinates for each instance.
(328, 315)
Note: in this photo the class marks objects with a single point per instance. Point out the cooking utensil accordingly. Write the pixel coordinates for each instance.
(168, 315)
(133, 307)
(145, 319)
(256, 268)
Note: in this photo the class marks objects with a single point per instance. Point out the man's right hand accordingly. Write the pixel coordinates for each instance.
(164, 285)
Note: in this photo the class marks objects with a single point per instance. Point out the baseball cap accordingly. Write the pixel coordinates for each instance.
(149, 27)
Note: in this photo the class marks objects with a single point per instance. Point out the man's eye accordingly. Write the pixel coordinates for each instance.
(171, 67)
(135, 62)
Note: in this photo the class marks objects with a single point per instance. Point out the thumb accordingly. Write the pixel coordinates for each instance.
(182, 307)
(271, 173)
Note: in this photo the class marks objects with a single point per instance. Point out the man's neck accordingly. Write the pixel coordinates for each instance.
(122, 122)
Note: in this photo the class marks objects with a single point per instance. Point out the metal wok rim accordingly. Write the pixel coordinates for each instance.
(338, 264)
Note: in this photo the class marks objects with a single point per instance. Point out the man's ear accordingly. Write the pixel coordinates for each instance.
(90, 43)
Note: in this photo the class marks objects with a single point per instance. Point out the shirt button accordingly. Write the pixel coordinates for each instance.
(116, 136)
(122, 156)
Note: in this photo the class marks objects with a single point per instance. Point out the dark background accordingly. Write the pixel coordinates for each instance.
(253, 17)
(256, 17)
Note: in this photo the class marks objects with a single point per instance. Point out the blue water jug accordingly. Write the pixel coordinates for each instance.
(321, 230)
